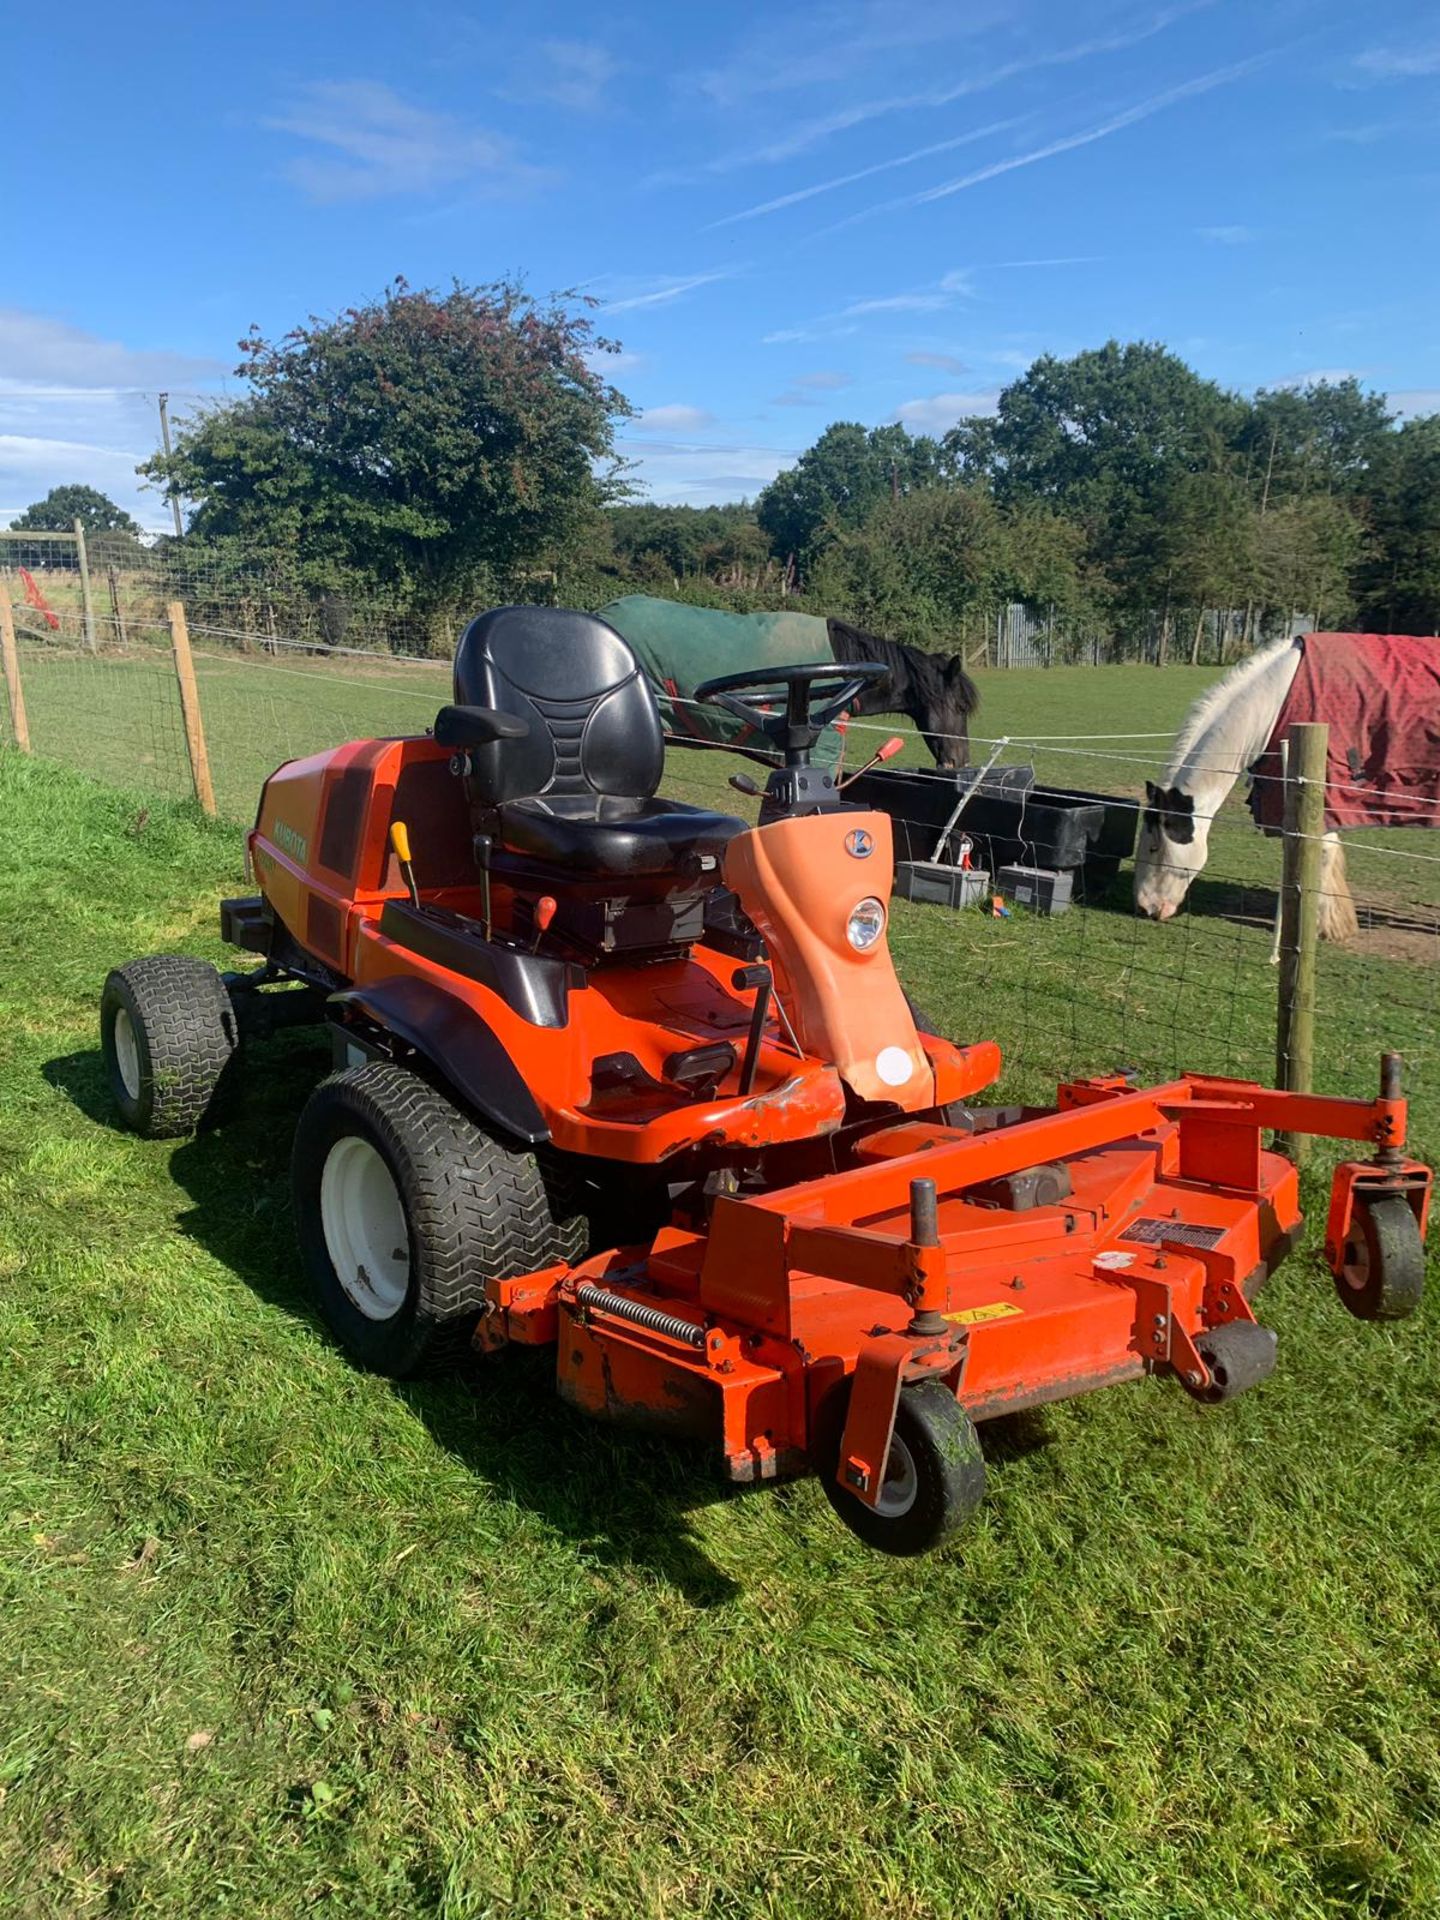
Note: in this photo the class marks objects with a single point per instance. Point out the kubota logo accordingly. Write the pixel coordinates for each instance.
(294, 843)
(860, 843)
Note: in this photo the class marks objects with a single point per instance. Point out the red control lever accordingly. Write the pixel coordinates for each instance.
(544, 914)
(888, 752)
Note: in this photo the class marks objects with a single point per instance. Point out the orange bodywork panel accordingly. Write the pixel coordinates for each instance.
(321, 852)
(799, 880)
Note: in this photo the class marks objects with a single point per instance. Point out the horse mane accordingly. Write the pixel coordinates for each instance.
(902, 659)
(1216, 703)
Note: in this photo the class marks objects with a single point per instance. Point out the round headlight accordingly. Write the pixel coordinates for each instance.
(866, 924)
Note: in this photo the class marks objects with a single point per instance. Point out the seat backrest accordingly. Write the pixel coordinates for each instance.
(594, 725)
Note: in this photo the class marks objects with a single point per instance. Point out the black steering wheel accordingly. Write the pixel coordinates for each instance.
(798, 725)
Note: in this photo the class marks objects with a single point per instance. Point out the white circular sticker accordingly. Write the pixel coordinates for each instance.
(894, 1066)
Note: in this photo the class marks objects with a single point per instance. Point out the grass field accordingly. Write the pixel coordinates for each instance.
(276, 1633)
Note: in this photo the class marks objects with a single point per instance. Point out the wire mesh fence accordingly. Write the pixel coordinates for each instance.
(1085, 990)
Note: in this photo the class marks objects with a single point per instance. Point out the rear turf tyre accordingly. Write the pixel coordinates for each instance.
(934, 1476)
(1382, 1273)
(167, 1033)
(405, 1207)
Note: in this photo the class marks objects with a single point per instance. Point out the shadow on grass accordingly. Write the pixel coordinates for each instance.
(622, 1498)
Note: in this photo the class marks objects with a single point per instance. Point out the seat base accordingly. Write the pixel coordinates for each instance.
(616, 836)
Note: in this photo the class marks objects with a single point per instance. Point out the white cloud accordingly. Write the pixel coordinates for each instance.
(771, 74)
(1186, 90)
(1318, 377)
(674, 419)
(1228, 236)
(377, 143)
(864, 173)
(945, 362)
(1411, 401)
(808, 389)
(830, 43)
(681, 474)
(40, 351)
(74, 407)
(896, 303)
(662, 295)
(942, 410)
(1400, 63)
(572, 73)
(608, 365)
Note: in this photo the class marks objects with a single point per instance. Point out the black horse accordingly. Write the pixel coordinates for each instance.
(932, 688)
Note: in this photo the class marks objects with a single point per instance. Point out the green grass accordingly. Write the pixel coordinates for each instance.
(277, 1633)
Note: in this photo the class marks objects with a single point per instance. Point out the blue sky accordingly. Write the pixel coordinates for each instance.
(790, 213)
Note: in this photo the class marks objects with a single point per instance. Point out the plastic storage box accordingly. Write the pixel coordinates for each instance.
(938, 881)
(1041, 889)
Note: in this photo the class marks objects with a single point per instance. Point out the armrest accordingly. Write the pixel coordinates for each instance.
(477, 726)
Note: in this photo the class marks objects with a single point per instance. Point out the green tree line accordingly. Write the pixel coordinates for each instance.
(428, 451)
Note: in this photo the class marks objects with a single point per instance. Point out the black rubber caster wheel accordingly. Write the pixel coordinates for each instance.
(1239, 1355)
(1382, 1272)
(934, 1476)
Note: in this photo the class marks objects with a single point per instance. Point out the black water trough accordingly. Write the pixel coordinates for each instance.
(1010, 820)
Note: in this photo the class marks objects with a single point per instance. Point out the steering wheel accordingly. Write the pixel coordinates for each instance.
(805, 715)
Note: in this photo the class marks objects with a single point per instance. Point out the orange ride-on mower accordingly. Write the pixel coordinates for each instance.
(638, 1082)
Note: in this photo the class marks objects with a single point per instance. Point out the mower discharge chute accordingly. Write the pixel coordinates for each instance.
(636, 1081)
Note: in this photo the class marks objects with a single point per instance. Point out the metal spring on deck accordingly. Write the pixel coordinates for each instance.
(651, 1318)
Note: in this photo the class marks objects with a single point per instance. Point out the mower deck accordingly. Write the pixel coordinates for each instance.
(1167, 1217)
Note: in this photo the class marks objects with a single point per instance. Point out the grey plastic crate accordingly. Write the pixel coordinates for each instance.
(941, 883)
(1041, 889)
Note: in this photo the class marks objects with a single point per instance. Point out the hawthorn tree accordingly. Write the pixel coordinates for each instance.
(420, 443)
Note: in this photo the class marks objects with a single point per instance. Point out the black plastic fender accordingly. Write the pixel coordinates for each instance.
(458, 1044)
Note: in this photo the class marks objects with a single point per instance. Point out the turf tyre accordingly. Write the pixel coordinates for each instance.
(935, 1467)
(1382, 1270)
(471, 1208)
(168, 1032)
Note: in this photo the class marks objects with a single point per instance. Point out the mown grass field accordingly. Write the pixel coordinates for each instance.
(275, 1633)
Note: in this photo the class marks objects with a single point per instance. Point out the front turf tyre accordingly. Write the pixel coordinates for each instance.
(1382, 1269)
(405, 1208)
(167, 1033)
(934, 1475)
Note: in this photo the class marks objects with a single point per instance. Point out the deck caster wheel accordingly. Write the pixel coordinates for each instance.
(934, 1476)
(1382, 1271)
(1239, 1355)
(167, 1034)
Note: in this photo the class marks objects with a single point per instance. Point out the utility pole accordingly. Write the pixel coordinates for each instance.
(165, 442)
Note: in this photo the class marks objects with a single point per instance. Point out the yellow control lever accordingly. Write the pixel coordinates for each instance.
(400, 841)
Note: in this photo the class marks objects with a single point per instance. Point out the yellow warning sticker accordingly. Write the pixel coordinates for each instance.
(996, 1310)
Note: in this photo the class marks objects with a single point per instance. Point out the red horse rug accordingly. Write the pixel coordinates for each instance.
(1379, 693)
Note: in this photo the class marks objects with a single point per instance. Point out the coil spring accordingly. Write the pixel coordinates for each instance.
(651, 1318)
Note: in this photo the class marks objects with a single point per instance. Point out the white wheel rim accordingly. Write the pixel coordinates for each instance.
(901, 1482)
(127, 1053)
(363, 1220)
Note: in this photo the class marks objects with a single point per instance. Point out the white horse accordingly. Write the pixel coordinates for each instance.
(1223, 734)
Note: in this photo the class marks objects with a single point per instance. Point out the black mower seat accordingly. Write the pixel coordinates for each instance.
(578, 790)
(617, 835)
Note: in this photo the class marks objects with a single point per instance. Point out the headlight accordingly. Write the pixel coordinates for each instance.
(866, 924)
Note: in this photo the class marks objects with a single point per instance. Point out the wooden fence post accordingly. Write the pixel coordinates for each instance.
(13, 688)
(86, 600)
(1300, 918)
(190, 708)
